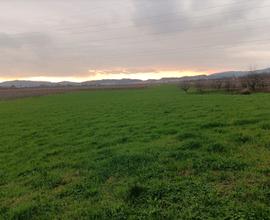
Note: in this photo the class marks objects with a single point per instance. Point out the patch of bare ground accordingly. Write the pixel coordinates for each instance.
(16, 93)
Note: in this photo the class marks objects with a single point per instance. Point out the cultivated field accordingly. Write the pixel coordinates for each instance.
(155, 153)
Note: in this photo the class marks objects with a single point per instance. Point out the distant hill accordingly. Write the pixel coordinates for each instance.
(28, 84)
(119, 82)
(228, 74)
(33, 84)
(174, 79)
(66, 83)
(264, 71)
(111, 82)
(236, 74)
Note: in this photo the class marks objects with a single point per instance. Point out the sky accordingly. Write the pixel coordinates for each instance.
(78, 40)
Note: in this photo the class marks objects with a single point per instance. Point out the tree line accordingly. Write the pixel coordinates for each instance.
(252, 82)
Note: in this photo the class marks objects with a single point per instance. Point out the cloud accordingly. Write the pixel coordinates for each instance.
(126, 71)
(230, 12)
(25, 39)
(173, 16)
(7, 41)
(160, 15)
(56, 38)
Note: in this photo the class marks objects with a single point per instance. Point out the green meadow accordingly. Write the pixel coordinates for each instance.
(153, 153)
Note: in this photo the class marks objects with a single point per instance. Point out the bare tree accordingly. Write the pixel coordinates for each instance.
(217, 84)
(227, 84)
(253, 79)
(184, 85)
(263, 81)
(243, 82)
(199, 85)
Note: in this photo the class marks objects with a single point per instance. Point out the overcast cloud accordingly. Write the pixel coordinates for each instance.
(80, 38)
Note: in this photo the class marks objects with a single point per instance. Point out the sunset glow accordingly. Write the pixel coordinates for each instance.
(101, 74)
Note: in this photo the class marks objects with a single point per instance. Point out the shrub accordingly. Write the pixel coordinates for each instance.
(245, 91)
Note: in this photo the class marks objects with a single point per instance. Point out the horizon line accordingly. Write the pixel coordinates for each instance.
(142, 76)
(143, 80)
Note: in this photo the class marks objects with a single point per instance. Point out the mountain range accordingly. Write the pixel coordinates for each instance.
(115, 82)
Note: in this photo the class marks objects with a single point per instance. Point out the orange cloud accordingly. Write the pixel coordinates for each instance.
(143, 73)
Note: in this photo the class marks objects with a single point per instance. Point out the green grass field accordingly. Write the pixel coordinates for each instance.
(153, 153)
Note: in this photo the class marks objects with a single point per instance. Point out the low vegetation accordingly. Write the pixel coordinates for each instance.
(154, 153)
